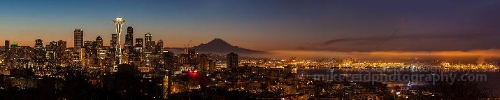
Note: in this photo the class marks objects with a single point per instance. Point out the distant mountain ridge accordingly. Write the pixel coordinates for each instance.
(220, 46)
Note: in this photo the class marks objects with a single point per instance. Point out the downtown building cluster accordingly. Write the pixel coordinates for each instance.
(143, 52)
(141, 62)
(92, 54)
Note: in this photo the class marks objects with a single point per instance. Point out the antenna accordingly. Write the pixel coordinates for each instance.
(186, 47)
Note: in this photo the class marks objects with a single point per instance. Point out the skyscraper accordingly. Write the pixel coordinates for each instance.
(232, 61)
(99, 42)
(87, 53)
(99, 50)
(7, 45)
(60, 48)
(148, 42)
(60, 56)
(148, 37)
(8, 54)
(78, 39)
(203, 62)
(139, 45)
(168, 59)
(51, 53)
(14, 53)
(61, 45)
(113, 46)
(87, 44)
(192, 56)
(129, 38)
(114, 40)
(39, 52)
(113, 43)
(129, 45)
(135, 55)
(158, 47)
(139, 42)
(38, 44)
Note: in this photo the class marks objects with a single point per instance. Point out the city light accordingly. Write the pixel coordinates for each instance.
(307, 50)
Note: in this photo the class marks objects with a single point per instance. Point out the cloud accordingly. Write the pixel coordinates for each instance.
(329, 42)
(417, 36)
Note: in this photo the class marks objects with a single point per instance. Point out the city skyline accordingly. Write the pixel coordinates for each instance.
(296, 26)
(249, 50)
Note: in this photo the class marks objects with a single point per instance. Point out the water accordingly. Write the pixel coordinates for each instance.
(491, 83)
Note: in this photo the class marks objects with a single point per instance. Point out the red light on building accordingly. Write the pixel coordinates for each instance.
(193, 74)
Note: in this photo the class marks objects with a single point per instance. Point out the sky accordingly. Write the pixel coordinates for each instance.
(269, 25)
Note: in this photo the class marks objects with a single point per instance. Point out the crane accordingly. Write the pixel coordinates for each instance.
(186, 47)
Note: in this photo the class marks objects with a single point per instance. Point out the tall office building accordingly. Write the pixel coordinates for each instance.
(148, 37)
(192, 56)
(86, 53)
(232, 61)
(62, 57)
(114, 42)
(61, 45)
(38, 44)
(51, 53)
(78, 44)
(87, 44)
(168, 59)
(39, 52)
(203, 62)
(60, 48)
(158, 47)
(99, 42)
(139, 42)
(14, 54)
(129, 38)
(129, 45)
(139, 45)
(136, 53)
(152, 45)
(7, 45)
(8, 54)
(78, 39)
(113, 45)
(148, 42)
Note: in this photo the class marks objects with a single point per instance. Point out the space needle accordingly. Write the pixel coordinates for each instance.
(118, 26)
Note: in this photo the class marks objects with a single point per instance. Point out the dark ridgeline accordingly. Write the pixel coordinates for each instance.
(219, 46)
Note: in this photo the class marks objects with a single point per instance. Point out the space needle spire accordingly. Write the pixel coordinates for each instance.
(118, 22)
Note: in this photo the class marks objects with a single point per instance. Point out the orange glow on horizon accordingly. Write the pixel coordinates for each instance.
(489, 53)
